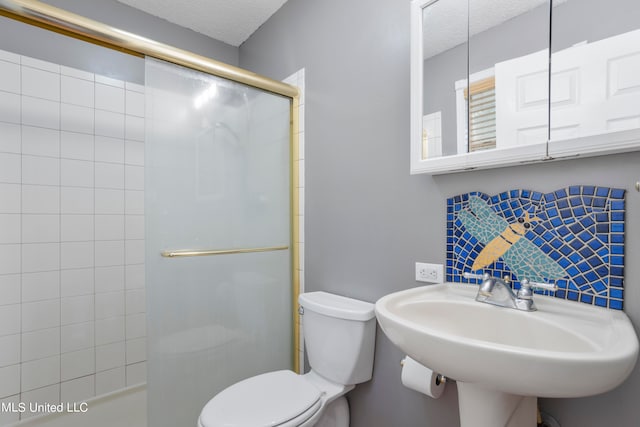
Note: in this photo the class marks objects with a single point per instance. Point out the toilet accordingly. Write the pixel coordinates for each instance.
(339, 336)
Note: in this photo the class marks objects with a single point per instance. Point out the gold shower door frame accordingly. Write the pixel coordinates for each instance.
(45, 16)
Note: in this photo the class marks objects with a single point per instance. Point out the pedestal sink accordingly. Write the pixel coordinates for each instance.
(503, 359)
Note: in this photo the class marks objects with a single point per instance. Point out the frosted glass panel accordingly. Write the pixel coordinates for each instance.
(217, 177)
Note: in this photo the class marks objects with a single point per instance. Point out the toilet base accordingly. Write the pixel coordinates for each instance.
(336, 414)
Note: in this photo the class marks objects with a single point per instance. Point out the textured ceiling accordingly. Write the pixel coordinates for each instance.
(445, 21)
(230, 21)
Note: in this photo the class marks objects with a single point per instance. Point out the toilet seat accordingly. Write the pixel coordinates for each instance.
(280, 398)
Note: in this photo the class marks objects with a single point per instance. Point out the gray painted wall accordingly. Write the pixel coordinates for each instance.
(367, 220)
(35, 42)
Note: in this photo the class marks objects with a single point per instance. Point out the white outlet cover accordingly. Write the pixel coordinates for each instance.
(430, 273)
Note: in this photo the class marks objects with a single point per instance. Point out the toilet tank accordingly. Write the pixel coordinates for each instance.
(339, 334)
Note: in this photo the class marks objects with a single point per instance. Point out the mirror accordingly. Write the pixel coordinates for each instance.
(595, 69)
(482, 94)
(484, 81)
(508, 73)
(445, 66)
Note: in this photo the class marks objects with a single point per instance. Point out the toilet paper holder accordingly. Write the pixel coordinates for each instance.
(440, 379)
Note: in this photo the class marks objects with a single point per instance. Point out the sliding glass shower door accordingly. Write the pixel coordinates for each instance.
(217, 179)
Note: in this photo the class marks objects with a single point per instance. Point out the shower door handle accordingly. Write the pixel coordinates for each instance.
(193, 252)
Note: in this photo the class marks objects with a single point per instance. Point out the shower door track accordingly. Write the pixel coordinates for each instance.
(40, 14)
(54, 19)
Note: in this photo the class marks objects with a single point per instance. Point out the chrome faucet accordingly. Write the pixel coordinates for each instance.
(496, 291)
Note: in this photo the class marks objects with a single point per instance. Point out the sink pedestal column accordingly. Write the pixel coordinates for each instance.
(480, 407)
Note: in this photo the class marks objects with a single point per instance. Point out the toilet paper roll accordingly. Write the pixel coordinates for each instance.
(420, 378)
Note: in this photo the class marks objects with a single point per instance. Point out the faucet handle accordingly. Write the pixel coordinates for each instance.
(468, 275)
(525, 283)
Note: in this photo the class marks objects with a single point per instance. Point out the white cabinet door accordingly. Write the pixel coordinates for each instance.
(522, 88)
(595, 89)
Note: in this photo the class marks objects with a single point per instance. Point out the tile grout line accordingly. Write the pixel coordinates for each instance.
(21, 261)
(124, 231)
(60, 238)
(95, 322)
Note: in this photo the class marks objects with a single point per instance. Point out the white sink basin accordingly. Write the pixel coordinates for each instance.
(565, 349)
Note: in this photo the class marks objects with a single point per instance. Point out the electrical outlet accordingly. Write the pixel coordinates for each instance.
(432, 273)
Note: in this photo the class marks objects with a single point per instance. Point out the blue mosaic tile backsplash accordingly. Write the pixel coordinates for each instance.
(573, 237)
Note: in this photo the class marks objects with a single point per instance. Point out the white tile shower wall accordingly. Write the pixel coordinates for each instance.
(72, 296)
(297, 79)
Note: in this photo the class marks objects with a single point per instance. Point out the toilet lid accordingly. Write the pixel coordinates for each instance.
(266, 400)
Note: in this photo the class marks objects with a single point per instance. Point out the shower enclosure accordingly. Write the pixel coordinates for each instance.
(218, 238)
(218, 210)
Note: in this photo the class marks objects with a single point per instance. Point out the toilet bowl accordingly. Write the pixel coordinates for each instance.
(339, 336)
(280, 398)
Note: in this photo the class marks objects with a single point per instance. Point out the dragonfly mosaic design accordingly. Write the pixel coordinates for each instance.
(507, 241)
